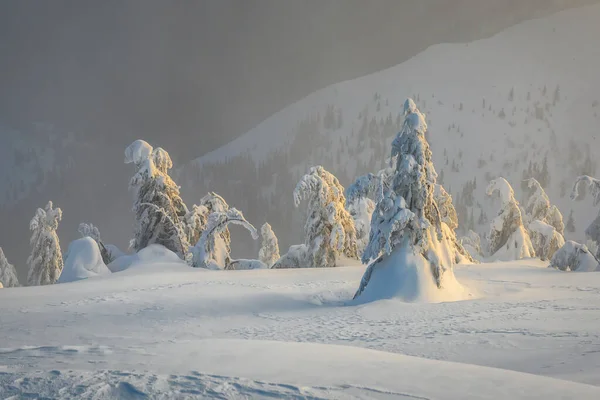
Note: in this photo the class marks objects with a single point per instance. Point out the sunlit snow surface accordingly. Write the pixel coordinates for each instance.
(172, 331)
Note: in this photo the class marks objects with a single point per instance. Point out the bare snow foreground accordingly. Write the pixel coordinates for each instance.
(164, 330)
(260, 369)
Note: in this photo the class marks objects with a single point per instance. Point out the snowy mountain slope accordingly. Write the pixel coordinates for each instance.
(165, 319)
(495, 107)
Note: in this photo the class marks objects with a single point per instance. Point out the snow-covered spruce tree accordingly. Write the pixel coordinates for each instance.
(209, 252)
(592, 231)
(93, 232)
(329, 229)
(360, 205)
(508, 239)
(8, 273)
(538, 207)
(472, 244)
(46, 261)
(269, 250)
(406, 227)
(158, 206)
(450, 223)
(545, 239)
(574, 257)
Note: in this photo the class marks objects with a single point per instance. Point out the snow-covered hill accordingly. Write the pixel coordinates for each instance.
(523, 103)
(168, 331)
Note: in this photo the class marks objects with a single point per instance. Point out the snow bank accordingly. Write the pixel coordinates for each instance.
(242, 264)
(574, 257)
(83, 261)
(153, 254)
(408, 276)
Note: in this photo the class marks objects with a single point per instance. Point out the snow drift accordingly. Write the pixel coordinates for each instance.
(83, 261)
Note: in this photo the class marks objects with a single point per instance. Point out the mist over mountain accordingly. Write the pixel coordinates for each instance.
(80, 80)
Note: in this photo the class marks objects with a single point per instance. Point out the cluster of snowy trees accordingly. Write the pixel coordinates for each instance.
(400, 221)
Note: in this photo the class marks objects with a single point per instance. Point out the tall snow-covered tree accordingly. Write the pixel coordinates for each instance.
(508, 239)
(329, 229)
(209, 252)
(46, 261)
(158, 206)
(592, 231)
(93, 232)
(407, 219)
(8, 273)
(269, 250)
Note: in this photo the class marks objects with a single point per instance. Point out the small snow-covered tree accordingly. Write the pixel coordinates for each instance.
(269, 251)
(360, 205)
(329, 229)
(210, 252)
(46, 261)
(450, 220)
(472, 244)
(8, 273)
(573, 256)
(592, 231)
(570, 227)
(158, 206)
(538, 207)
(93, 232)
(407, 218)
(545, 239)
(507, 238)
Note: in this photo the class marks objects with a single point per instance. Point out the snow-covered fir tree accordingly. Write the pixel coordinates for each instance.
(158, 206)
(545, 238)
(570, 227)
(329, 230)
(593, 230)
(360, 205)
(8, 273)
(471, 242)
(210, 252)
(508, 239)
(450, 223)
(407, 219)
(93, 232)
(538, 207)
(46, 261)
(269, 250)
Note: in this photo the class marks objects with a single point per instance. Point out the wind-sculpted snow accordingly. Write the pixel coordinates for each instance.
(573, 256)
(83, 260)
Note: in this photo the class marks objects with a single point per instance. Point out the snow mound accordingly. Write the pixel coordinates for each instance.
(407, 276)
(83, 261)
(574, 257)
(153, 254)
(242, 264)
